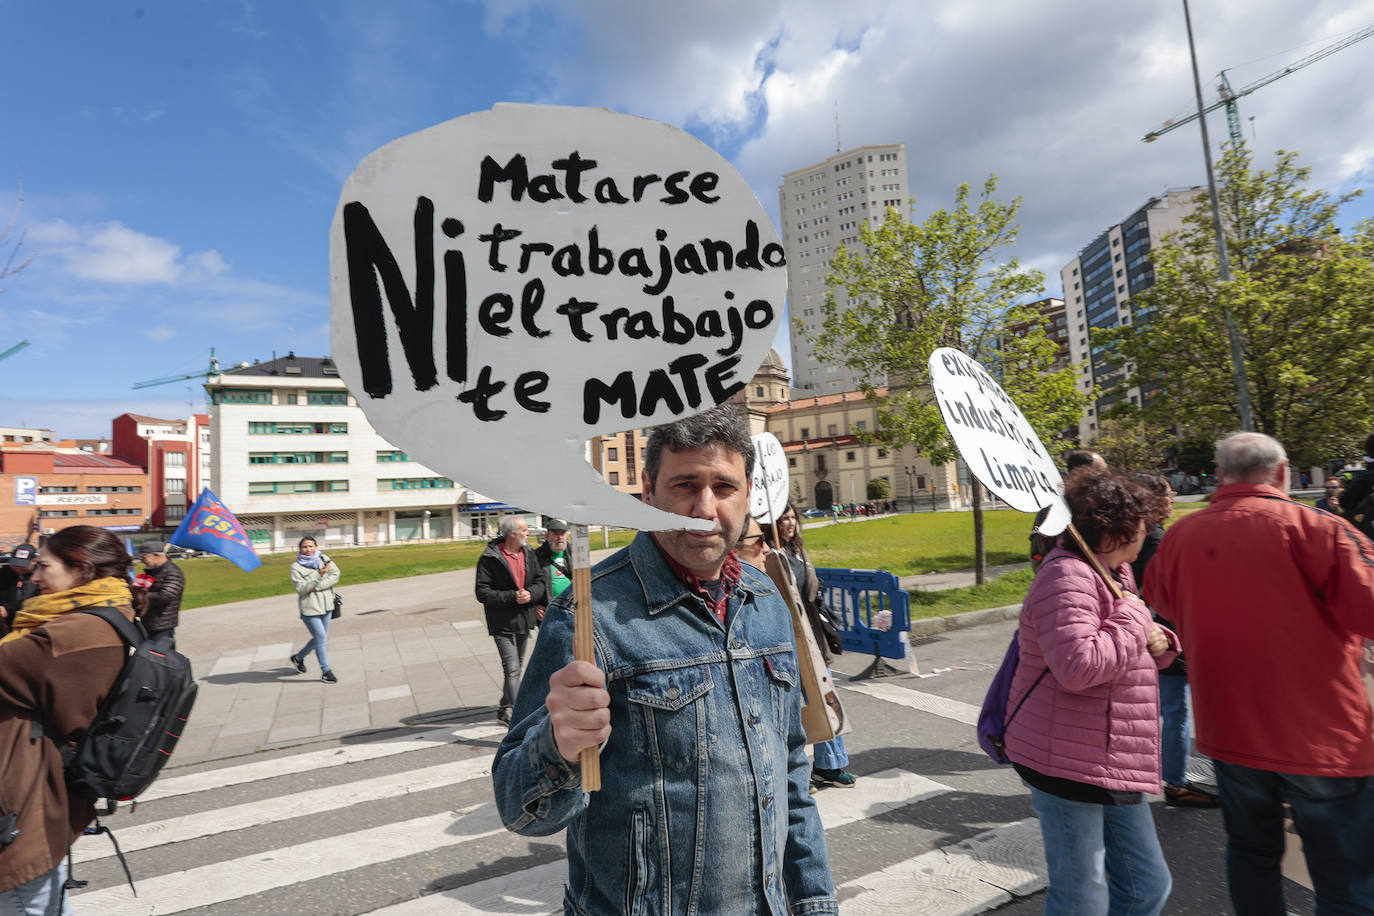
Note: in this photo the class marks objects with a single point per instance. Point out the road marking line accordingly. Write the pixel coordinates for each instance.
(233, 879)
(274, 653)
(874, 794)
(978, 874)
(314, 760)
(957, 710)
(220, 821)
(388, 693)
(539, 890)
(529, 892)
(237, 663)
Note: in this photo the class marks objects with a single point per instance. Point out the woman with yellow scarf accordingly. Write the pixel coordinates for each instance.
(56, 668)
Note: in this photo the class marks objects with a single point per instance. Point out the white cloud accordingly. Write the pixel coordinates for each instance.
(1052, 97)
(113, 253)
(161, 333)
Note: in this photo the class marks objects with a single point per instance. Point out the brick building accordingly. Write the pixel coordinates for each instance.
(174, 453)
(46, 490)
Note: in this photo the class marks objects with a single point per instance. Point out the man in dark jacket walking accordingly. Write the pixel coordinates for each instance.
(164, 595)
(16, 583)
(510, 585)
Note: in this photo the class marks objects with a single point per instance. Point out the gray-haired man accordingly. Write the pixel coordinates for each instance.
(510, 585)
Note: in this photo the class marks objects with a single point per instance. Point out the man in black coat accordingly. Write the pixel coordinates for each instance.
(164, 596)
(1357, 499)
(510, 585)
(16, 583)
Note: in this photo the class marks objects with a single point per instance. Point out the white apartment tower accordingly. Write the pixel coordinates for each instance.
(1099, 284)
(821, 208)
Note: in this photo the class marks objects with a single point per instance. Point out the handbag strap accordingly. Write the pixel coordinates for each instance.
(1025, 697)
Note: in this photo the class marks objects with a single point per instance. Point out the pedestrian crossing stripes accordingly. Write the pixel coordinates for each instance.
(299, 832)
(936, 705)
(301, 804)
(314, 760)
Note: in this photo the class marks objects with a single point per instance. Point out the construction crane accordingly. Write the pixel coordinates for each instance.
(1229, 97)
(211, 372)
(14, 349)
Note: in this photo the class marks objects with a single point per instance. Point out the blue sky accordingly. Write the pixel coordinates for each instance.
(181, 161)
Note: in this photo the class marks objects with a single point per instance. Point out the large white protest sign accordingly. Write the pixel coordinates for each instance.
(768, 498)
(996, 441)
(510, 283)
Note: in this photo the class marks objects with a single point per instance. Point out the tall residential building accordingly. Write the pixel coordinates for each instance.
(174, 453)
(295, 455)
(822, 207)
(1099, 284)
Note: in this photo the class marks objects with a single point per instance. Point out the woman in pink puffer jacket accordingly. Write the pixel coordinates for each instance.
(1086, 740)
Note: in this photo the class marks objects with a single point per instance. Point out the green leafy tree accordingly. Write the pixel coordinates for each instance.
(879, 488)
(946, 282)
(1129, 443)
(1301, 295)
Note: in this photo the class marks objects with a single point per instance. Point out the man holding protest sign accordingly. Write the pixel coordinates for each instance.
(695, 702)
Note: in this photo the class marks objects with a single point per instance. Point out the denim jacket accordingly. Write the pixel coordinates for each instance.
(703, 806)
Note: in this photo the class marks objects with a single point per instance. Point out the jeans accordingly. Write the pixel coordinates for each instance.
(831, 755)
(1333, 816)
(1103, 859)
(1175, 707)
(318, 625)
(43, 896)
(512, 650)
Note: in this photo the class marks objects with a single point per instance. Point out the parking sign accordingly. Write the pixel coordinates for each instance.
(26, 491)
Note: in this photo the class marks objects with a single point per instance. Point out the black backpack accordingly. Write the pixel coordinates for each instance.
(140, 722)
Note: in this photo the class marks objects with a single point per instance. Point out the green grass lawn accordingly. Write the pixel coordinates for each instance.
(901, 544)
(919, 543)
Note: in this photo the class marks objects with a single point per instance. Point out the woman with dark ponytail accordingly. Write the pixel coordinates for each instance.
(56, 667)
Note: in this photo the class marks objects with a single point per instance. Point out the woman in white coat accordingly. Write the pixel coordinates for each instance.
(314, 575)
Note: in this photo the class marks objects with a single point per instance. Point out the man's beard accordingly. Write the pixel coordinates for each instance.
(695, 552)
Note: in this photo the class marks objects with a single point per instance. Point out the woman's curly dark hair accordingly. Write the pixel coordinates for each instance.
(1108, 507)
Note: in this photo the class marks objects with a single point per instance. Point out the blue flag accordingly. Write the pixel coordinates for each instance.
(211, 527)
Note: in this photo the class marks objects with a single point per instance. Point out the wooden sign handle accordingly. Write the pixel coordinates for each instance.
(584, 647)
(1096, 564)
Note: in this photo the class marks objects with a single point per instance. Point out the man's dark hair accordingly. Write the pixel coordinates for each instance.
(1080, 457)
(1369, 447)
(724, 426)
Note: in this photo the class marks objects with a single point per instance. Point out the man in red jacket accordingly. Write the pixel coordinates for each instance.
(1271, 599)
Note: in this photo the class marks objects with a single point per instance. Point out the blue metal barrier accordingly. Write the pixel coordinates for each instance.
(855, 597)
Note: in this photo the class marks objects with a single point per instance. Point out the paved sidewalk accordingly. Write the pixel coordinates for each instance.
(408, 653)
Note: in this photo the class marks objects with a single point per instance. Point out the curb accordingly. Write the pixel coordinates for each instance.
(933, 625)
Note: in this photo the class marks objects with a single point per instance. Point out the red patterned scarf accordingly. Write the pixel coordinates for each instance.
(730, 574)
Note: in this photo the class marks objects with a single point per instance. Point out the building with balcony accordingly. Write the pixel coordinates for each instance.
(294, 455)
(1098, 286)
